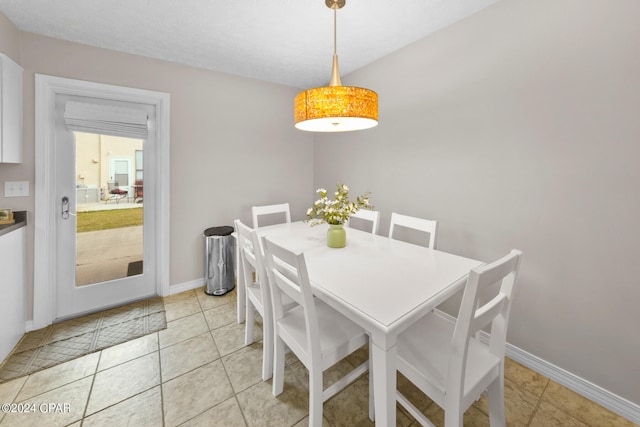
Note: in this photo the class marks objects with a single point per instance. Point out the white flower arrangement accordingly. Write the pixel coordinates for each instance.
(336, 211)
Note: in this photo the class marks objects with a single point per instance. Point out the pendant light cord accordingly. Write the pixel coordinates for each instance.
(335, 31)
(335, 74)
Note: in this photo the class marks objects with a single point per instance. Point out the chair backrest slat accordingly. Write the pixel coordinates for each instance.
(287, 286)
(369, 216)
(424, 225)
(284, 272)
(246, 244)
(257, 211)
(487, 312)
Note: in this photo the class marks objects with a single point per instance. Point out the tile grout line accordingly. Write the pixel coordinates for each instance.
(561, 409)
(235, 394)
(161, 379)
(538, 401)
(124, 400)
(93, 380)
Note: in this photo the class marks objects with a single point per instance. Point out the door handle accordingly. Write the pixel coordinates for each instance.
(65, 208)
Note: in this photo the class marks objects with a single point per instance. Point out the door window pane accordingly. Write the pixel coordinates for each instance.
(109, 232)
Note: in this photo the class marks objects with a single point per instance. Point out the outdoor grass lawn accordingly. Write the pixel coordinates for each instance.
(105, 220)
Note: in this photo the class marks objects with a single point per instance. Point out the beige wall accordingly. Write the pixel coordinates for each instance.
(88, 159)
(9, 39)
(519, 128)
(233, 144)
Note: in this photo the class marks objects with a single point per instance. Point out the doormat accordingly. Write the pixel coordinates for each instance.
(134, 268)
(70, 339)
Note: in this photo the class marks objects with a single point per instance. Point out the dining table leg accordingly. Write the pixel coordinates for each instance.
(384, 384)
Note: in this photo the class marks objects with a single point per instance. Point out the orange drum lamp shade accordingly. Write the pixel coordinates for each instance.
(335, 108)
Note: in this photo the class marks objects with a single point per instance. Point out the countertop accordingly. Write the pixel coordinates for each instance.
(21, 221)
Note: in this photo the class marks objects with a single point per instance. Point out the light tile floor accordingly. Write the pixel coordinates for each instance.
(198, 372)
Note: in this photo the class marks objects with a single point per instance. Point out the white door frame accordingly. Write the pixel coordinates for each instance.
(47, 88)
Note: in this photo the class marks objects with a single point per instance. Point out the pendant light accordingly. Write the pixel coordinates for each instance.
(336, 108)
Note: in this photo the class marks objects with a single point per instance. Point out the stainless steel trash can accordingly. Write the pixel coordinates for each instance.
(219, 254)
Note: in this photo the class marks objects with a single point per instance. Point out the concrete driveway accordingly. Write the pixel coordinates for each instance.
(105, 254)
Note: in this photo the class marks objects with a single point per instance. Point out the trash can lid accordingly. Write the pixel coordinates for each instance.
(224, 230)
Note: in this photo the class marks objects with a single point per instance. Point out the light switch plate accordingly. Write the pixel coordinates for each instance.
(16, 188)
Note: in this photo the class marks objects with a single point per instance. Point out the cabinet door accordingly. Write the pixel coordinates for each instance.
(12, 307)
(10, 111)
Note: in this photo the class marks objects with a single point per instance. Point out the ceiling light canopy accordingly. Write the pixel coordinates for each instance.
(336, 108)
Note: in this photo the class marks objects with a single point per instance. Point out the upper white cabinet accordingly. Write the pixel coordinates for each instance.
(10, 111)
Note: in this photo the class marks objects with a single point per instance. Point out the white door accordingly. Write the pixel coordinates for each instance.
(120, 170)
(98, 269)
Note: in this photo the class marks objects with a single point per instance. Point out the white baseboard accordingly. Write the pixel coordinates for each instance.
(186, 286)
(593, 392)
(28, 326)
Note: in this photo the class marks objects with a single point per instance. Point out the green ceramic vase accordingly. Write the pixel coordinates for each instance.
(336, 236)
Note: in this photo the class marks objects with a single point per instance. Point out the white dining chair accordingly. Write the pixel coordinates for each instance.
(279, 212)
(427, 226)
(257, 294)
(317, 334)
(368, 216)
(448, 362)
(258, 211)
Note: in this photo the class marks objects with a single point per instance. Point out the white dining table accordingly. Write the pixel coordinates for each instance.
(383, 285)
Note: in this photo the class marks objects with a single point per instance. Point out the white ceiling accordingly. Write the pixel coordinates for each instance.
(287, 41)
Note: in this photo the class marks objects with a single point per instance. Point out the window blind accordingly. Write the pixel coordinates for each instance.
(106, 119)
